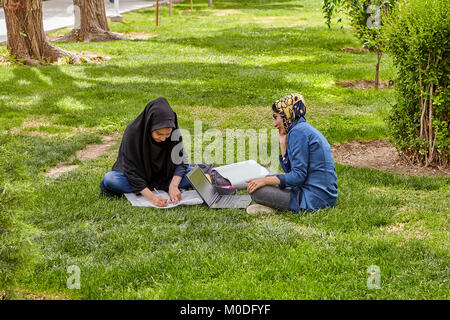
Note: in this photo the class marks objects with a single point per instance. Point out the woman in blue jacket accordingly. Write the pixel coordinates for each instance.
(309, 182)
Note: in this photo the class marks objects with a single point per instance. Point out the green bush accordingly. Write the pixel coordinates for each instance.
(418, 38)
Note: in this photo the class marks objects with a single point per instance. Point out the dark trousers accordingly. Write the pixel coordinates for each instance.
(272, 196)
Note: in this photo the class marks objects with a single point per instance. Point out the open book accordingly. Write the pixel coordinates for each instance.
(190, 197)
(240, 172)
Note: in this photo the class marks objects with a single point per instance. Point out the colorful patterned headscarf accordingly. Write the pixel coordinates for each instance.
(291, 108)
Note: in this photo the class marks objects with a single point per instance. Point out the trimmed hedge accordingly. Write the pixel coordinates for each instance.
(418, 38)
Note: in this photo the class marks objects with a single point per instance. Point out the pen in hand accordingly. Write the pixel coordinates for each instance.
(159, 195)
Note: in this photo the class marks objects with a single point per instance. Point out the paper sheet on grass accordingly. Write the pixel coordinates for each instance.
(190, 198)
(239, 173)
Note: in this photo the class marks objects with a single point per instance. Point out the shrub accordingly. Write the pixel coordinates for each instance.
(418, 38)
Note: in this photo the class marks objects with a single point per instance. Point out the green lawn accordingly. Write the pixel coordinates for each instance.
(224, 66)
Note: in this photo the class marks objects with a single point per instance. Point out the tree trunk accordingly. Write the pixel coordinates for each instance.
(26, 36)
(77, 14)
(377, 69)
(94, 25)
(209, 3)
(170, 8)
(157, 12)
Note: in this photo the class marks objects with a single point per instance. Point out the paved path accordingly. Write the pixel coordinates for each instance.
(59, 13)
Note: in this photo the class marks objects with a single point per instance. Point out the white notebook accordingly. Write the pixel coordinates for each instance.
(240, 172)
(190, 197)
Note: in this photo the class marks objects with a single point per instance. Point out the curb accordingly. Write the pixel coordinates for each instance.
(163, 3)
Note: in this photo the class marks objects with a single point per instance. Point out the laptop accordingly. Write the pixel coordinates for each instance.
(210, 195)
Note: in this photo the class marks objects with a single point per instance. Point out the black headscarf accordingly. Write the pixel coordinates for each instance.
(143, 161)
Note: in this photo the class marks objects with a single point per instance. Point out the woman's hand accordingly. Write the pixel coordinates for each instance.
(255, 184)
(159, 201)
(283, 143)
(155, 199)
(174, 193)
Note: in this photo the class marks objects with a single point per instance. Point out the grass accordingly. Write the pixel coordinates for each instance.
(225, 70)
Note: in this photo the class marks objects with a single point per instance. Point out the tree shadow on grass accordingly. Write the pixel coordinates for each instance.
(111, 95)
(311, 51)
(252, 4)
(250, 39)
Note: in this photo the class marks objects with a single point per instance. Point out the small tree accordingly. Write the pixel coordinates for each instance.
(25, 31)
(94, 25)
(417, 37)
(366, 16)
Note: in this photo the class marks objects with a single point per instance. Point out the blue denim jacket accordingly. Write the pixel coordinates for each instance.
(309, 167)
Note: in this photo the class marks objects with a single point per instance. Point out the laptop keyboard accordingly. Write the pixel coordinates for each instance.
(224, 201)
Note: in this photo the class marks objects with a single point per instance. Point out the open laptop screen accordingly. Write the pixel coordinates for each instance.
(202, 185)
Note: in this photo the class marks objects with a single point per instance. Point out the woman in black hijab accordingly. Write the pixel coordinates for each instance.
(149, 158)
